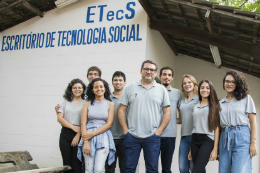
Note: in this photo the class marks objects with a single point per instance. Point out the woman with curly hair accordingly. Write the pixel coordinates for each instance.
(97, 117)
(189, 89)
(69, 116)
(237, 144)
(205, 133)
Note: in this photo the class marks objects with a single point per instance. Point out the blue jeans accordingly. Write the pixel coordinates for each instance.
(185, 165)
(151, 150)
(167, 150)
(234, 156)
(97, 162)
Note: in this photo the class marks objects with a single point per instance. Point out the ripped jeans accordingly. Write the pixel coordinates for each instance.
(96, 163)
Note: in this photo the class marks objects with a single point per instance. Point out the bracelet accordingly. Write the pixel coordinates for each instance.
(253, 138)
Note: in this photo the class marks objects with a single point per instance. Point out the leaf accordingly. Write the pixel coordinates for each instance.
(247, 5)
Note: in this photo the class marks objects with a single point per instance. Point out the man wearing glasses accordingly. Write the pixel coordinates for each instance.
(144, 99)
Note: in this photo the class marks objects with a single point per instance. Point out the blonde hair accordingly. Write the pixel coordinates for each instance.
(194, 81)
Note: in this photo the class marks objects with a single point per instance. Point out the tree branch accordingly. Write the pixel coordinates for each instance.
(243, 3)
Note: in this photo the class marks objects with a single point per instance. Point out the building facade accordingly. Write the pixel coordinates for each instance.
(39, 57)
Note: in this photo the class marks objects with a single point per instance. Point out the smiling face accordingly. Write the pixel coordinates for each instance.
(166, 77)
(98, 88)
(148, 72)
(204, 90)
(118, 83)
(188, 85)
(230, 84)
(77, 90)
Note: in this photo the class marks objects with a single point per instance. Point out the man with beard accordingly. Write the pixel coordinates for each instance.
(170, 132)
(145, 100)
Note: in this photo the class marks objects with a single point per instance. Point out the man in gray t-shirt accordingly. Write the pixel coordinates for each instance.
(145, 100)
(118, 82)
(169, 134)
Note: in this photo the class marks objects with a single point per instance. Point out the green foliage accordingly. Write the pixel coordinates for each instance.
(247, 5)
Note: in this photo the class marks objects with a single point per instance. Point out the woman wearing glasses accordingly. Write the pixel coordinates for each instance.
(205, 133)
(237, 141)
(97, 118)
(189, 89)
(69, 116)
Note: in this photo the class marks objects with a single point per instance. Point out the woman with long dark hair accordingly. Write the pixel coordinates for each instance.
(237, 143)
(96, 119)
(205, 133)
(189, 89)
(69, 116)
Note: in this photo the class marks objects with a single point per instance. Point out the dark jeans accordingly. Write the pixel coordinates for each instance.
(69, 153)
(167, 150)
(120, 155)
(201, 147)
(151, 150)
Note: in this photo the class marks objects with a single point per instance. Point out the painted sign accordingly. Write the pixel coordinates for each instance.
(83, 36)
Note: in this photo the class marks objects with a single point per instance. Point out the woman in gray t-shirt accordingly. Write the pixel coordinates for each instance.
(189, 89)
(69, 117)
(237, 143)
(205, 132)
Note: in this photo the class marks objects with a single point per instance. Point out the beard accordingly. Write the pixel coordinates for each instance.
(120, 89)
(166, 84)
(147, 79)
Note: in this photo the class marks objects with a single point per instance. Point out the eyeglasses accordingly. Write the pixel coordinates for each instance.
(230, 82)
(93, 74)
(149, 69)
(77, 88)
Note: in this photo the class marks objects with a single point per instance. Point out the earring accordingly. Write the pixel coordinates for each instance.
(71, 96)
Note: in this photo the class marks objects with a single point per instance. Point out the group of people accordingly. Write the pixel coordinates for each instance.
(99, 127)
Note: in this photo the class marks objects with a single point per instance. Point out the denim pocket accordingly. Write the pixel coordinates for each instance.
(125, 139)
(157, 136)
(245, 133)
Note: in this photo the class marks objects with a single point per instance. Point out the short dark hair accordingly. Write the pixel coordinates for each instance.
(68, 95)
(95, 68)
(119, 73)
(91, 95)
(166, 68)
(150, 62)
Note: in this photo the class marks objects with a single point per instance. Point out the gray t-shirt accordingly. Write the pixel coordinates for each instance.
(175, 100)
(235, 112)
(71, 111)
(98, 112)
(145, 106)
(116, 128)
(200, 120)
(186, 109)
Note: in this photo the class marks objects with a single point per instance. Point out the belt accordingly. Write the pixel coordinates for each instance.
(227, 136)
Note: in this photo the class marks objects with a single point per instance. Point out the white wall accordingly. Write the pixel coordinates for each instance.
(32, 81)
(158, 51)
(202, 69)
